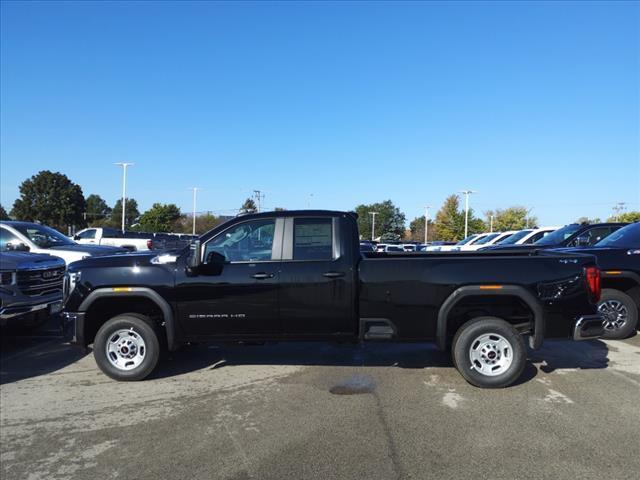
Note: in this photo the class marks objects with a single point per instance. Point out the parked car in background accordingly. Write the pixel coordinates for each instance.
(30, 287)
(447, 248)
(483, 240)
(113, 237)
(527, 236)
(36, 238)
(618, 257)
(367, 247)
(393, 248)
(410, 247)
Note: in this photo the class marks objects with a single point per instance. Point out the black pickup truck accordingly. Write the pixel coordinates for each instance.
(299, 275)
(618, 256)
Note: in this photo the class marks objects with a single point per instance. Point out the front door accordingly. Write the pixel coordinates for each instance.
(316, 279)
(236, 290)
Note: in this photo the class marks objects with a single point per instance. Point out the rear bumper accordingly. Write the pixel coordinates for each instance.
(73, 327)
(588, 327)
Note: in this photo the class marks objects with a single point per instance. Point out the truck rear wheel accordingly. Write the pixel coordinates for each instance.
(127, 348)
(489, 352)
(620, 313)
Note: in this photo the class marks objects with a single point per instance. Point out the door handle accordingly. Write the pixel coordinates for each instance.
(333, 274)
(262, 276)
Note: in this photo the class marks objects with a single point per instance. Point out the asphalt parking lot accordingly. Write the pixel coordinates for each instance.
(318, 411)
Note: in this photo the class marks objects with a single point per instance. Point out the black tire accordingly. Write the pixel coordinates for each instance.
(137, 327)
(610, 297)
(492, 329)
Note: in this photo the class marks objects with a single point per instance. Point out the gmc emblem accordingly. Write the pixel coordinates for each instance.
(48, 275)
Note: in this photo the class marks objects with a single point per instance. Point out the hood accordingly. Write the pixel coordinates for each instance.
(120, 260)
(20, 260)
(90, 249)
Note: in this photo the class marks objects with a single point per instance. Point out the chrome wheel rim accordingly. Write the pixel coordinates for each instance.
(125, 349)
(491, 354)
(614, 314)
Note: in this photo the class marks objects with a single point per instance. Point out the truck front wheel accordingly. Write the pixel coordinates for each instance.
(126, 347)
(489, 352)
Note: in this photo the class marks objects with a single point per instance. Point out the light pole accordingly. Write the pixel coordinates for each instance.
(124, 187)
(373, 225)
(466, 194)
(426, 223)
(195, 189)
(309, 202)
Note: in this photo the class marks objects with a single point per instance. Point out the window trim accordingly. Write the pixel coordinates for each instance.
(276, 248)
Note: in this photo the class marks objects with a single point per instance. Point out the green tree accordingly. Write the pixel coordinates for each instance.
(417, 229)
(97, 210)
(3, 213)
(159, 218)
(131, 214)
(512, 218)
(630, 217)
(449, 224)
(52, 199)
(389, 220)
(204, 223)
(249, 206)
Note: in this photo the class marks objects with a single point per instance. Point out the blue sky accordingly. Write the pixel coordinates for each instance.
(533, 104)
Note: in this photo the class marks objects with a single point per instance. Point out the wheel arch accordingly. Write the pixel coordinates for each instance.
(500, 291)
(132, 293)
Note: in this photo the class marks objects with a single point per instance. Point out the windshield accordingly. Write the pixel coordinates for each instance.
(559, 236)
(464, 241)
(512, 239)
(43, 237)
(486, 239)
(626, 237)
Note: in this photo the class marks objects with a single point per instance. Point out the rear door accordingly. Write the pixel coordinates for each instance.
(317, 278)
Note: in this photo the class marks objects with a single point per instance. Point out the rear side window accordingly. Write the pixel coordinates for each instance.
(313, 239)
(87, 234)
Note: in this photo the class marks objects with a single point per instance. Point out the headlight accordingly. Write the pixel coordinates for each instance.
(71, 279)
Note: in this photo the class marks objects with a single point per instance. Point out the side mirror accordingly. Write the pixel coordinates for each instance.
(195, 255)
(76, 237)
(18, 247)
(583, 241)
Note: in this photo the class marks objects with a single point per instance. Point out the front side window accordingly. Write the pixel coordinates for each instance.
(245, 242)
(7, 238)
(593, 236)
(313, 239)
(512, 239)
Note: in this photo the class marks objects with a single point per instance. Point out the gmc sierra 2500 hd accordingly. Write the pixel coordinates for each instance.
(299, 275)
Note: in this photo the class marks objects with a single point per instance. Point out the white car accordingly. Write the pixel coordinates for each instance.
(35, 238)
(486, 240)
(528, 236)
(114, 238)
(447, 248)
(409, 247)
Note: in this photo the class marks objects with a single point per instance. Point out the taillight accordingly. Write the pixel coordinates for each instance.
(592, 277)
(149, 244)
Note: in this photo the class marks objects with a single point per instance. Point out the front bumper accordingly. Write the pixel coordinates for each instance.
(12, 311)
(588, 327)
(73, 327)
